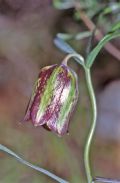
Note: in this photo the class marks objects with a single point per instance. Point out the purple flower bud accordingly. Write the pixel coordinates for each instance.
(54, 98)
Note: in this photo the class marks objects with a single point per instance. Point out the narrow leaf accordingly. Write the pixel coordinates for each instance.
(18, 158)
(91, 57)
(63, 46)
(78, 36)
(65, 36)
(63, 4)
(106, 180)
(82, 35)
(115, 27)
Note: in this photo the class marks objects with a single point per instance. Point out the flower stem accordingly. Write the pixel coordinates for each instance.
(93, 125)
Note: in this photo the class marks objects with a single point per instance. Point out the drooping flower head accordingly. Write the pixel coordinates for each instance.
(54, 98)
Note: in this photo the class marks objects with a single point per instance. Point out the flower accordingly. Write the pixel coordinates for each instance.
(54, 98)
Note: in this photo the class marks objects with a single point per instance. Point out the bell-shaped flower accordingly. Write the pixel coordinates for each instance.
(53, 99)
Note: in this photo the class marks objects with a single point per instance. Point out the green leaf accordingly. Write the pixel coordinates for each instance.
(65, 36)
(78, 36)
(82, 35)
(91, 57)
(63, 4)
(115, 27)
(113, 7)
(46, 172)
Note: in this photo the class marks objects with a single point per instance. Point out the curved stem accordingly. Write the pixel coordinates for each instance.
(93, 125)
(78, 58)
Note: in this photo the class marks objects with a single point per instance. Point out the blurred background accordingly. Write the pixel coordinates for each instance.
(27, 30)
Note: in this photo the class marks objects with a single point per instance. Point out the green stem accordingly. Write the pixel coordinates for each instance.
(80, 60)
(93, 125)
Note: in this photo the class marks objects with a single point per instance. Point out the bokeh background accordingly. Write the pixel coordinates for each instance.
(27, 30)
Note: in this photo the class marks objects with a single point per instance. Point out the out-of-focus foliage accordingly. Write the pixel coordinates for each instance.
(64, 4)
(78, 36)
(101, 12)
(90, 6)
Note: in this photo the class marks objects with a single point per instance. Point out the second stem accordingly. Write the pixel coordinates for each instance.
(93, 125)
